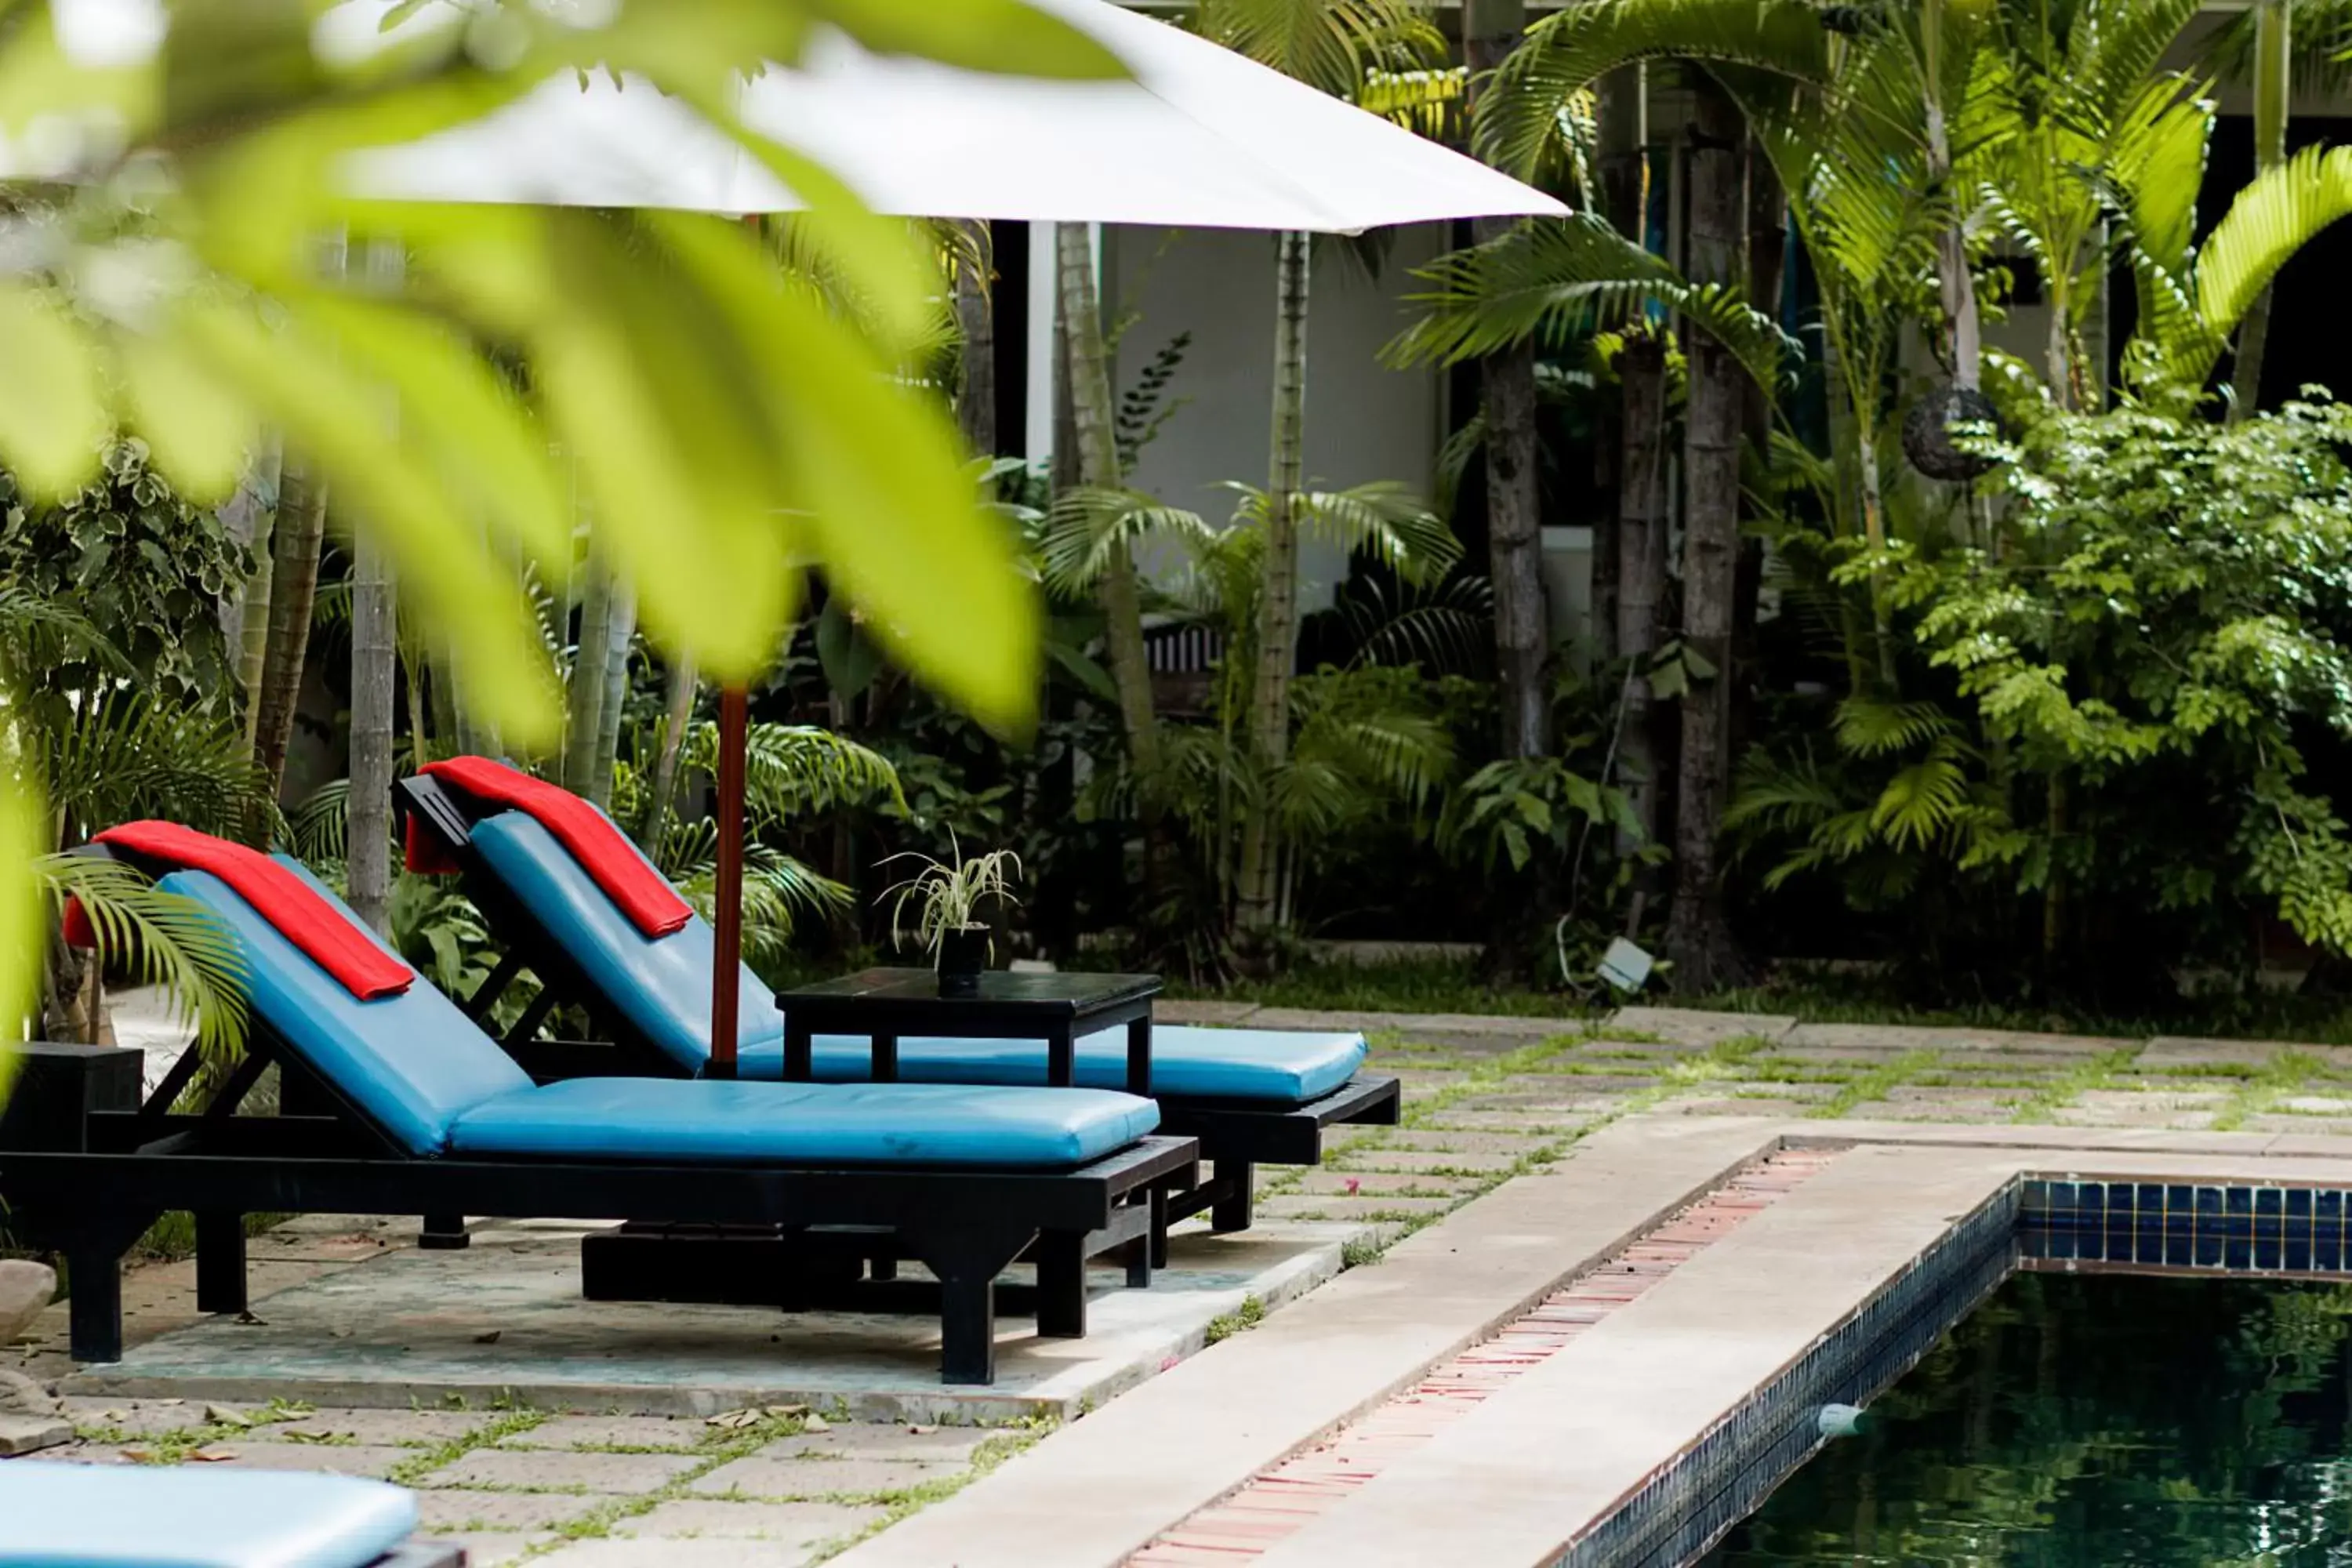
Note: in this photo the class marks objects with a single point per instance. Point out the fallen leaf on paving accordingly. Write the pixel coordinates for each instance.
(732, 1419)
(817, 1424)
(222, 1416)
(922, 1431)
(138, 1456)
(213, 1456)
(784, 1412)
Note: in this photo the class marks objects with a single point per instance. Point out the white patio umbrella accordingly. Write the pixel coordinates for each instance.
(1198, 137)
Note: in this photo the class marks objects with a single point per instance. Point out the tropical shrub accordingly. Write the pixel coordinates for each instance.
(2142, 681)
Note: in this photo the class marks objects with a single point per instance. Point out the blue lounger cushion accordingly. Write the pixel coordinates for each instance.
(713, 1120)
(412, 1062)
(662, 986)
(425, 1073)
(1265, 1067)
(132, 1516)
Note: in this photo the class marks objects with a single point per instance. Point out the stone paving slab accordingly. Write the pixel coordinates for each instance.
(503, 1322)
(668, 1552)
(1095, 1492)
(484, 1550)
(612, 1432)
(457, 1510)
(559, 1470)
(786, 1477)
(1694, 1027)
(781, 1523)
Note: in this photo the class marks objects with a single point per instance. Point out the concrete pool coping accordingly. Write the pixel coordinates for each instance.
(1536, 1469)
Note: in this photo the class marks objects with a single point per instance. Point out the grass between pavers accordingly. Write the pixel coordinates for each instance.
(2059, 1089)
(742, 1443)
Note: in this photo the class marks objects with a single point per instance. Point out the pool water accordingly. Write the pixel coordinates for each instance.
(2075, 1420)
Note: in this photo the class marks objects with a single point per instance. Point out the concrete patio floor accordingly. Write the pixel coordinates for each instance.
(1647, 1110)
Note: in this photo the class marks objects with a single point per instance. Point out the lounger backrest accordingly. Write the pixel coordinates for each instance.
(661, 984)
(411, 1063)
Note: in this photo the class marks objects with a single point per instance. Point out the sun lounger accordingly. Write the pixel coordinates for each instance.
(1250, 1096)
(138, 1516)
(428, 1116)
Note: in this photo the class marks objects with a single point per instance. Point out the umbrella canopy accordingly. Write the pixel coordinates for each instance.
(1198, 137)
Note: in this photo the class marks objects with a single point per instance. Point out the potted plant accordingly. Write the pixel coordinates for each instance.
(947, 897)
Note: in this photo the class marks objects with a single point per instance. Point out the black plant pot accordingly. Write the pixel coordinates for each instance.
(963, 954)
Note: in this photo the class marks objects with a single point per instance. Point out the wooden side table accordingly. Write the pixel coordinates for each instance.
(885, 1005)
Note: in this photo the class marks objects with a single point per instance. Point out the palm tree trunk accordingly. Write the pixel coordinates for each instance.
(975, 400)
(616, 693)
(680, 713)
(1958, 290)
(1621, 122)
(1491, 30)
(249, 516)
(368, 807)
(295, 545)
(2273, 51)
(591, 661)
(1641, 567)
(1277, 619)
(1767, 250)
(1098, 454)
(1698, 940)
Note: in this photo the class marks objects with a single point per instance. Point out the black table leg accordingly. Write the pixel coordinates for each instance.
(1139, 1056)
(94, 1310)
(1061, 1286)
(1061, 1057)
(885, 1058)
(220, 1262)
(800, 1051)
(1233, 1212)
(443, 1233)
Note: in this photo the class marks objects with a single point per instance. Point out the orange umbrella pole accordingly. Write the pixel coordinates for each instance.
(734, 709)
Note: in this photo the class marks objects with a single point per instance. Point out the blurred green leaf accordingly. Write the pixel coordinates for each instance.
(52, 416)
(896, 520)
(198, 430)
(978, 34)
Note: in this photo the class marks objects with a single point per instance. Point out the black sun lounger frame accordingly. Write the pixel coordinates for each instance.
(95, 1197)
(1235, 1136)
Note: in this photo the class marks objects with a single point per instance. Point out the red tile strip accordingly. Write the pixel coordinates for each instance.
(1288, 1497)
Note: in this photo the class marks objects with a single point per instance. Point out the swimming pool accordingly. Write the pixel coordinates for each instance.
(2094, 1420)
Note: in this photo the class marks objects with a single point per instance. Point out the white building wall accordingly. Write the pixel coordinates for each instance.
(1364, 421)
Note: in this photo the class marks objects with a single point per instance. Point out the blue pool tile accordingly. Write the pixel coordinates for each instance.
(2298, 1205)
(2298, 1255)
(2178, 1200)
(2208, 1248)
(2268, 1253)
(2237, 1254)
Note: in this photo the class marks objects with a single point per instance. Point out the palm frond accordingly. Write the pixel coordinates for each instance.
(1386, 519)
(1557, 280)
(1518, 124)
(1330, 45)
(126, 756)
(791, 770)
(2277, 213)
(170, 941)
(1086, 525)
